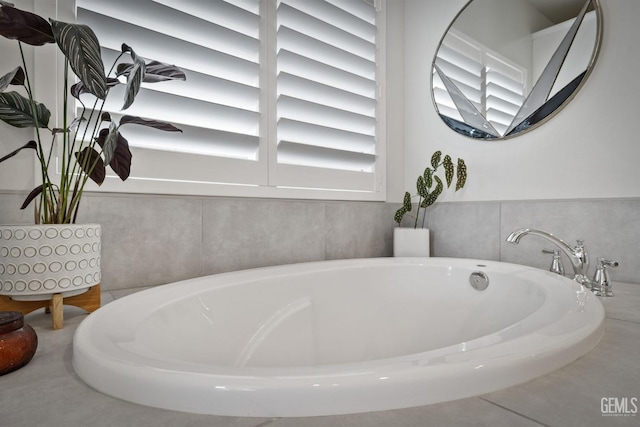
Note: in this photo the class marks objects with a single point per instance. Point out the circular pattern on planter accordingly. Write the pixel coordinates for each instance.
(24, 269)
(55, 266)
(30, 252)
(64, 283)
(51, 233)
(35, 233)
(45, 251)
(66, 233)
(39, 268)
(50, 284)
(61, 250)
(35, 285)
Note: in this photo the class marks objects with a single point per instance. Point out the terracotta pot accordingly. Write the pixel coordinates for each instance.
(18, 342)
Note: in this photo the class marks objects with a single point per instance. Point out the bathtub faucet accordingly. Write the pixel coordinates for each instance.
(576, 254)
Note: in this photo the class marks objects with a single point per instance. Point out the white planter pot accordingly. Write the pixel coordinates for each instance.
(411, 242)
(37, 261)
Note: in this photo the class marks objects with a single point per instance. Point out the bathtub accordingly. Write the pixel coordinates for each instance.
(336, 337)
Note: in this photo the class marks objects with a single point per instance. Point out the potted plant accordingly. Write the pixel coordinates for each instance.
(57, 256)
(414, 241)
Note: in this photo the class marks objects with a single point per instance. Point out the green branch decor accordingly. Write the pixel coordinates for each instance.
(90, 142)
(427, 194)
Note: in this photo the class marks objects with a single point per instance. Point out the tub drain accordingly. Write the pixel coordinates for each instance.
(479, 280)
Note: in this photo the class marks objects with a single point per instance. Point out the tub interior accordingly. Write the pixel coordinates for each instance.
(334, 316)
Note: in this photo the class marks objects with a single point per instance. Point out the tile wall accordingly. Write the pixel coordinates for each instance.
(151, 240)
(610, 228)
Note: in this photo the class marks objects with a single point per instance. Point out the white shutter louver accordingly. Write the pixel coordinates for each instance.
(216, 43)
(280, 95)
(326, 93)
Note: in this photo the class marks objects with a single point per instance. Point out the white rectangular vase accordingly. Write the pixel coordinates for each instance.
(411, 242)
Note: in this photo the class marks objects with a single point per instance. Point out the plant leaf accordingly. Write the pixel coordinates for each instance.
(91, 163)
(134, 78)
(154, 72)
(407, 201)
(435, 159)
(80, 89)
(108, 142)
(30, 144)
(462, 174)
(121, 159)
(73, 126)
(168, 127)
(15, 110)
(433, 196)
(80, 46)
(447, 163)
(14, 77)
(76, 122)
(428, 180)
(34, 193)
(27, 27)
(400, 214)
(422, 188)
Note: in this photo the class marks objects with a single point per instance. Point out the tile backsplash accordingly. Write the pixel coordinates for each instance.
(151, 240)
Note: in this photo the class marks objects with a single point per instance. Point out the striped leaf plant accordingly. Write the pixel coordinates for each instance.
(429, 186)
(85, 144)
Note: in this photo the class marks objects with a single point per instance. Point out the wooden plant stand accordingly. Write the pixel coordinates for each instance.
(89, 301)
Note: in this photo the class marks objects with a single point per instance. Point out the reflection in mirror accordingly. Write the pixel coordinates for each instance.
(505, 66)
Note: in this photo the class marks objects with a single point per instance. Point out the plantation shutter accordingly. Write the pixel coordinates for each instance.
(326, 94)
(504, 92)
(462, 63)
(217, 44)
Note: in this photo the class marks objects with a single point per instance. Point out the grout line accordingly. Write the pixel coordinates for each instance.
(201, 237)
(326, 232)
(265, 423)
(499, 230)
(513, 412)
(618, 319)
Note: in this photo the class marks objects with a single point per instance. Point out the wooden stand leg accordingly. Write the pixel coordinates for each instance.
(58, 312)
(47, 310)
(89, 301)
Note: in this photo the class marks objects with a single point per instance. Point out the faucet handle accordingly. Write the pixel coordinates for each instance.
(601, 281)
(556, 262)
(607, 263)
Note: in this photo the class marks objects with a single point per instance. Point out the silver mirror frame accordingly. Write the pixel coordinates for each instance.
(594, 56)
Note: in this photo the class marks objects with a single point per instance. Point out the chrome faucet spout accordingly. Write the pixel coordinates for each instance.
(577, 255)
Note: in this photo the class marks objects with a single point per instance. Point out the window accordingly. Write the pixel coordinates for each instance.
(281, 97)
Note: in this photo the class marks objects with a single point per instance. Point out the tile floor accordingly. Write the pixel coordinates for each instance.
(47, 392)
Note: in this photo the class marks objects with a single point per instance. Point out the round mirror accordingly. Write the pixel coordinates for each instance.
(504, 67)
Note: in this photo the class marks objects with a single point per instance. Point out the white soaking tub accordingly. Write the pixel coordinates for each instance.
(336, 337)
